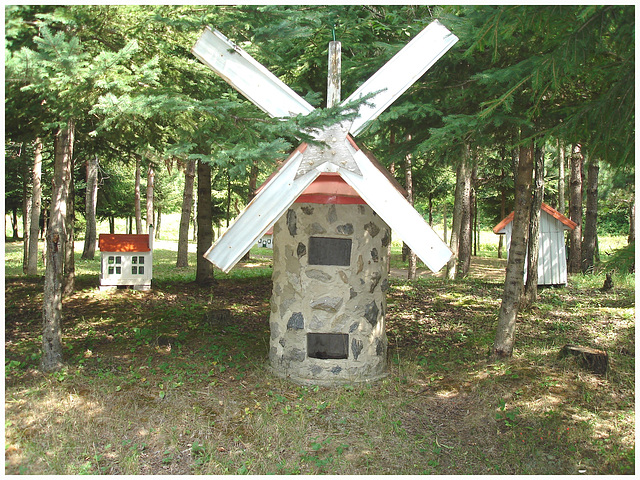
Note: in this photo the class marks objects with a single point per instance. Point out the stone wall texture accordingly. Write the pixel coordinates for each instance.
(329, 299)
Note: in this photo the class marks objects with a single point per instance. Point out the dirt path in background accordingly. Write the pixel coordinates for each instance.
(488, 269)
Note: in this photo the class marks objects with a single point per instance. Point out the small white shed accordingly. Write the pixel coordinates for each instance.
(552, 258)
(126, 260)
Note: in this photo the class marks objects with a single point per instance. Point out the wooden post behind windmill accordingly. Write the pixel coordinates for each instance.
(332, 207)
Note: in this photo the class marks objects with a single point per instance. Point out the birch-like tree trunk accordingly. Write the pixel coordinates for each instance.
(561, 160)
(513, 284)
(185, 215)
(90, 204)
(151, 176)
(531, 286)
(26, 211)
(69, 280)
(632, 223)
(457, 217)
(408, 177)
(36, 208)
(503, 213)
(204, 268)
(465, 232)
(156, 227)
(136, 198)
(55, 246)
(589, 242)
(575, 210)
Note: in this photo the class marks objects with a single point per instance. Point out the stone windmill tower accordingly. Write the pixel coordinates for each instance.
(332, 208)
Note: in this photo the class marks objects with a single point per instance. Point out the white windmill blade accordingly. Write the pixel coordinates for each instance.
(398, 213)
(399, 73)
(249, 77)
(271, 202)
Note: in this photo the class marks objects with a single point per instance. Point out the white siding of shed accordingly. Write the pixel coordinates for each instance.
(552, 260)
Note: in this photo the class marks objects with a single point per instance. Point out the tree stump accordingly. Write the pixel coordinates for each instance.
(594, 360)
(608, 283)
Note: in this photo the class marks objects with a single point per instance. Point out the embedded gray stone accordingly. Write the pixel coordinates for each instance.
(292, 222)
(301, 250)
(372, 228)
(307, 209)
(346, 229)
(296, 355)
(282, 342)
(375, 279)
(371, 312)
(296, 322)
(379, 347)
(336, 370)
(316, 370)
(384, 286)
(361, 209)
(356, 347)
(286, 303)
(352, 293)
(316, 229)
(319, 275)
(275, 330)
(332, 216)
(374, 255)
(386, 239)
(354, 327)
(327, 304)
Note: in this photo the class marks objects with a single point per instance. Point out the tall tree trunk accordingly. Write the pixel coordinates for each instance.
(561, 205)
(136, 198)
(56, 241)
(473, 204)
(392, 171)
(185, 215)
(36, 207)
(465, 235)
(575, 210)
(90, 204)
(112, 224)
(505, 333)
(632, 223)
(14, 225)
(253, 185)
(503, 213)
(204, 268)
(408, 177)
(589, 242)
(457, 217)
(26, 211)
(151, 176)
(69, 280)
(156, 227)
(531, 286)
(444, 221)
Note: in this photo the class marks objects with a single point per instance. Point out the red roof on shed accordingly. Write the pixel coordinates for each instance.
(545, 208)
(119, 242)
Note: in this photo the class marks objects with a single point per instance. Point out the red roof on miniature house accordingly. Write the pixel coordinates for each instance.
(545, 208)
(119, 242)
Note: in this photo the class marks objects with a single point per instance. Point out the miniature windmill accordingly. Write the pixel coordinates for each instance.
(331, 207)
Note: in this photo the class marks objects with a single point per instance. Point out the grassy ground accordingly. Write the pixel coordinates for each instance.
(156, 383)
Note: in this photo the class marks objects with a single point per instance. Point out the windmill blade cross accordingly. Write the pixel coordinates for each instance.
(399, 73)
(248, 76)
